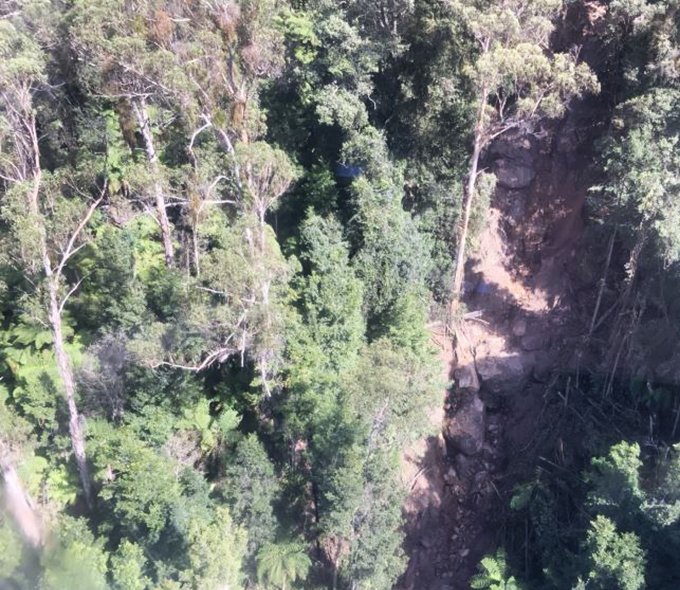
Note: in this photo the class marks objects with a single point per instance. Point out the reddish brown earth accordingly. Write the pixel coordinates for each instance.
(525, 323)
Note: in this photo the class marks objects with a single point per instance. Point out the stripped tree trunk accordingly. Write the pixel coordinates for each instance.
(469, 196)
(632, 264)
(598, 303)
(142, 115)
(18, 502)
(196, 250)
(75, 425)
(63, 364)
(21, 116)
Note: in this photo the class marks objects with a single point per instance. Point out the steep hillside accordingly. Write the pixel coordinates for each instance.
(523, 327)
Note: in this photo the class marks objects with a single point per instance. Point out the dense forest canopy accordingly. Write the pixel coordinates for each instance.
(230, 231)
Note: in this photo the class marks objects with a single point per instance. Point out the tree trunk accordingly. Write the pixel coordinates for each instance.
(52, 279)
(632, 264)
(66, 374)
(19, 504)
(265, 287)
(618, 333)
(603, 284)
(197, 261)
(142, 116)
(469, 195)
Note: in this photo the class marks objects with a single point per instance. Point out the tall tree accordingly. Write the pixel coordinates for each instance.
(643, 175)
(46, 212)
(515, 78)
(122, 52)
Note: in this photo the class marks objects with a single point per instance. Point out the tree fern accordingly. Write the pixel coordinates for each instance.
(494, 574)
(282, 563)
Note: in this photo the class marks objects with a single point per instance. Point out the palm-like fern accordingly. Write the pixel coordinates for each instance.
(494, 574)
(282, 563)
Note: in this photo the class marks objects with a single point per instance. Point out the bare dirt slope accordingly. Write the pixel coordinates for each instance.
(523, 326)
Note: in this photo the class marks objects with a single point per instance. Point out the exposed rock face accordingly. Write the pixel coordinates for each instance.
(516, 148)
(513, 162)
(465, 431)
(466, 378)
(513, 174)
(517, 285)
(498, 366)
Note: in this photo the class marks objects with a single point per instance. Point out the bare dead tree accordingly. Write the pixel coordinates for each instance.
(141, 112)
(21, 166)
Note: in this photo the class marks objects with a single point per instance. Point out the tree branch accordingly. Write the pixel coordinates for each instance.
(69, 251)
(71, 292)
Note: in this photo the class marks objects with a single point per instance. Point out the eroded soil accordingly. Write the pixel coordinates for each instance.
(524, 324)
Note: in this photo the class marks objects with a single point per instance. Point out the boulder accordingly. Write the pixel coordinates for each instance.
(513, 174)
(511, 147)
(428, 541)
(466, 378)
(450, 476)
(465, 374)
(508, 367)
(464, 433)
(519, 328)
(499, 368)
(535, 342)
(515, 209)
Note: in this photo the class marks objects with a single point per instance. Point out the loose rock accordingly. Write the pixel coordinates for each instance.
(464, 433)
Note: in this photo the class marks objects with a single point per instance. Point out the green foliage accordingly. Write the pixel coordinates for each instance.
(325, 339)
(11, 550)
(376, 557)
(250, 488)
(75, 559)
(127, 566)
(617, 559)
(115, 262)
(209, 428)
(61, 486)
(31, 369)
(308, 156)
(281, 564)
(399, 385)
(393, 256)
(662, 503)
(643, 169)
(626, 531)
(513, 40)
(616, 477)
(494, 574)
(137, 482)
(215, 551)
(300, 35)
(331, 293)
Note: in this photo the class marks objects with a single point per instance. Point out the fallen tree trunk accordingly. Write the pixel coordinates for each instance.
(20, 506)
